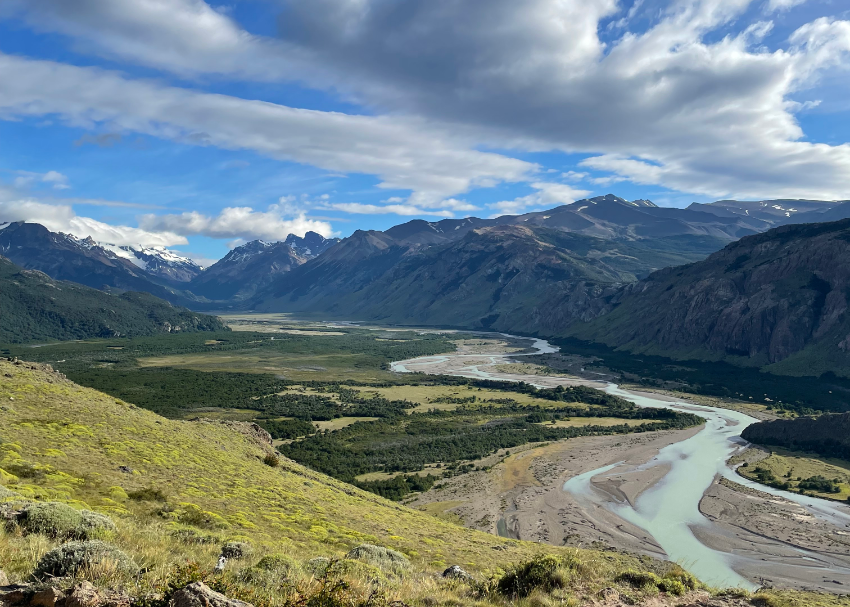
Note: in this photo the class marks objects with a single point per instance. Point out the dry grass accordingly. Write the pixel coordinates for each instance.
(804, 465)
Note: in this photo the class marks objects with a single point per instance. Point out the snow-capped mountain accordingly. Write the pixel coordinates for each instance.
(158, 261)
(82, 260)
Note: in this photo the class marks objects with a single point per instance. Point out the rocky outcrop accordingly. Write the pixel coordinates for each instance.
(765, 298)
(199, 594)
(81, 594)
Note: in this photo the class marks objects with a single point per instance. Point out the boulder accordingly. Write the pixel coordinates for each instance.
(4, 580)
(83, 594)
(14, 595)
(46, 598)
(198, 594)
(456, 572)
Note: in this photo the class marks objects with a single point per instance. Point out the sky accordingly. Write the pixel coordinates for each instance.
(202, 125)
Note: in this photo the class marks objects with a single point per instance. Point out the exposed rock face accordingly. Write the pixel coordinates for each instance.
(244, 270)
(199, 594)
(767, 297)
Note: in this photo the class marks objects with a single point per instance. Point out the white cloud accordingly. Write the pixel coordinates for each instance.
(547, 195)
(239, 223)
(782, 5)
(387, 209)
(26, 179)
(62, 218)
(684, 104)
(405, 154)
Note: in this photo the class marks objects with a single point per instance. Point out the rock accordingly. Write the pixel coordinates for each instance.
(609, 594)
(14, 595)
(46, 598)
(198, 594)
(83, 594)
(125, 469)
(456, 572)
(4, 579)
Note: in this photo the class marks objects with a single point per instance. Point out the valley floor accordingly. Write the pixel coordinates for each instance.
(769, 540)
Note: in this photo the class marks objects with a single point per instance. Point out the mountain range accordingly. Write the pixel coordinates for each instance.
(708, 281)
(776, 300)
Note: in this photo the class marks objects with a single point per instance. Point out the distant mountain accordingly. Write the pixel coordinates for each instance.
(775, 213)
(244, 270)
(34, 307)
(311, 245)
(159, 261)
(65, 257)
(515, 277)
(776, 300)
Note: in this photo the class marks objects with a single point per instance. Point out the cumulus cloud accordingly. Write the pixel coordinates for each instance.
(684, 104)
(547, 195)
(239, 223)
(62, 218)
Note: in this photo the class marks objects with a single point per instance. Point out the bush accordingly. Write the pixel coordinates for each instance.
(676, 582)
(271, 460)
(148, 494)
(317, 566)
(7, 493)
(236, 550)
(61, 521)
(68, 559)
(277, 563)
(543, 572)
(638, 579)
(380, 557)
(271, 570)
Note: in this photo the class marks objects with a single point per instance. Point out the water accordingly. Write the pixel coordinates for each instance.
(669, 510)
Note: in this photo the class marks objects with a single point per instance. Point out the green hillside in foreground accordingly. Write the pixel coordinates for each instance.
(34, 307)
(178, 490)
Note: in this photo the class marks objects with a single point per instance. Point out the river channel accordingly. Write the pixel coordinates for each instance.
(669, 510)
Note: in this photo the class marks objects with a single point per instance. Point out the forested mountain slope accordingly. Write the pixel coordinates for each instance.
(34, 307)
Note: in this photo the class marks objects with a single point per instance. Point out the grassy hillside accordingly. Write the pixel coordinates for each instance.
(34, 307)
(178, 490)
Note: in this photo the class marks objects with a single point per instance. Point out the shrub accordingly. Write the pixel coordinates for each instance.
(236, 550)
(7, 493)
(543, 572)
(61, 521)
(638, 579)
(317, 566)
(148, 494)
(68, 559)
(271, 460)
(380, 557)
(277, 563)
(674, 587)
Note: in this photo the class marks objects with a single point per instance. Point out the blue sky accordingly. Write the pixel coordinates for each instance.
(200, 125)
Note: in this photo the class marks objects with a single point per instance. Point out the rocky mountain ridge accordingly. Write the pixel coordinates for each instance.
(776, 300)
